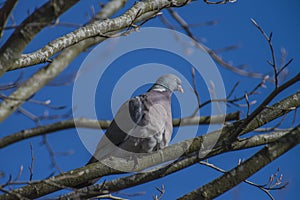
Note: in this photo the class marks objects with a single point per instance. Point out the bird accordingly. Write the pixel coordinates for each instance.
(143, 124)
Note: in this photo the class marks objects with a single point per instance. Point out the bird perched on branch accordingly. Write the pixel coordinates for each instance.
(143, 124)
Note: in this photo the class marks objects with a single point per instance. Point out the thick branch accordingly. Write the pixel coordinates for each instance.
(101, 28)
(258, 140)
(247, 168)
(95, 124)
(186, 161)
(96, 170)
(48, 73)
(21, 37)
(36, 82)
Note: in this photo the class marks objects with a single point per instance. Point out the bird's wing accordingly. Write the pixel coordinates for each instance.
(139, 126)
(130, 115)
(151, 114)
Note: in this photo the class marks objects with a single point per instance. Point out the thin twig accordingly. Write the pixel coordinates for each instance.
(195, 91)
(32, 163)
(29, 115)
(248, 104)
(220, 2)
(213, 54)
(233, 90)
(263, 105)
(46, 103)
(109, 196)
(51, 154)
(236, 99)
(161, 193)
(285, 66)
(14, 84)
(269, 40)
(19, 173)
(261, 187)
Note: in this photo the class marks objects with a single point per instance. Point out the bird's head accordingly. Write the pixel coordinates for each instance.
(170, 82)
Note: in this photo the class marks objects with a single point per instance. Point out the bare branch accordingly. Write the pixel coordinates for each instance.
(247, 168)
(226, 49)
(11, 85)
(236, 99)
(29, 115)
(51, 154)
(17, 42)
(248, 104)
(103, 124)
(195, 91)
(233, 89)
(241, 129)
(261, 187)
(32, 163)
(213, 54)
(110, 196)
(30, 100)
(269, 40)
(96, 170)
(168, 160)
(220, 2)
(161, 193)
(282, 107)
(201, 24)
(45, 75)
(95, 29)
(285, 65)
(162, 171)
(19, 173)
(5, 13)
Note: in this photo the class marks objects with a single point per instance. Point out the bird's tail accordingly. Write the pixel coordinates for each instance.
(92, 160)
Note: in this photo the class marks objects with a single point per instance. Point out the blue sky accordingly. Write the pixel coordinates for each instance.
(234, 28)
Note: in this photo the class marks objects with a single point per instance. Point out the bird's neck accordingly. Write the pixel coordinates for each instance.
(160, 88)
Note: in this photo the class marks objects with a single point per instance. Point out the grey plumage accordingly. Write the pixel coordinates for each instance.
(143, 124)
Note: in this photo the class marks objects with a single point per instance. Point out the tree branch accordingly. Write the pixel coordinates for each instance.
(48, 73)
(219, 2)
(97, 28)
(241, 129)
(212, 53)
(21, 37)
(45, 75)
(96, 170)
(261, 187)
(103, 124)
(5, 13)
(247, 168)
(269, 40)
(110, 8)
(162, 171)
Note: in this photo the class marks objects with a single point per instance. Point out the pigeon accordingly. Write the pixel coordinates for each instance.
(143, 124)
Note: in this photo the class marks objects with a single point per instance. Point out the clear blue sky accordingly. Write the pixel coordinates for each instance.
(233, 28)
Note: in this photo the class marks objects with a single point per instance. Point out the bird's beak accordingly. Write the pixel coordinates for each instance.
(180, 89)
